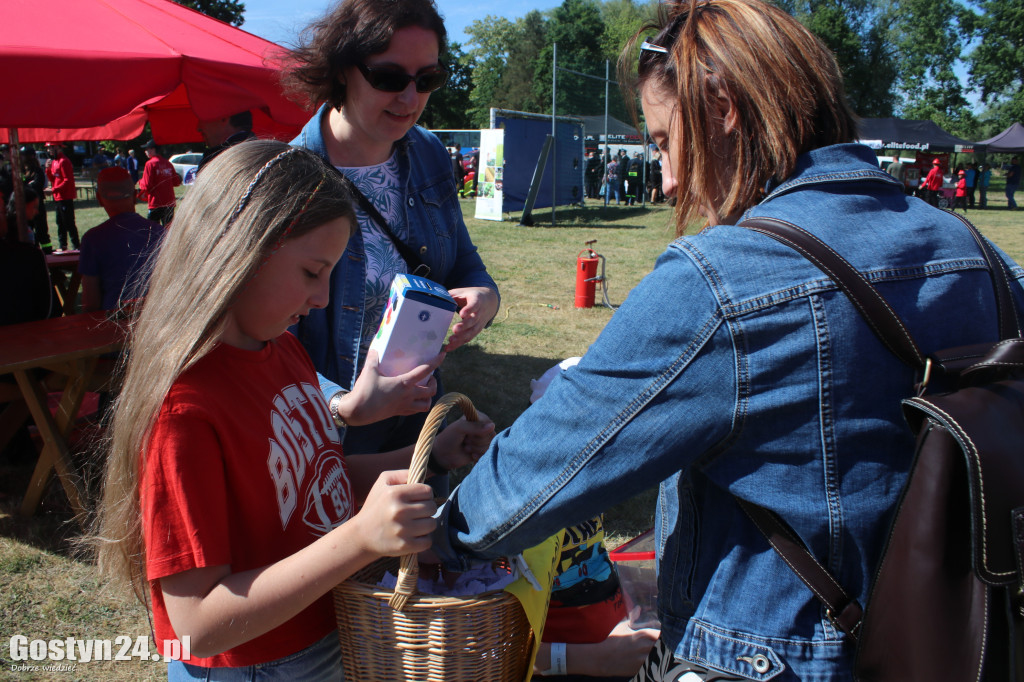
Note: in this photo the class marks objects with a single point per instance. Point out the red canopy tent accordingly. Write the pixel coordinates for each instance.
(98, 69)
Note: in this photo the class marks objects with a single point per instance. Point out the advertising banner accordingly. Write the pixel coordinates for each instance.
(492, 172)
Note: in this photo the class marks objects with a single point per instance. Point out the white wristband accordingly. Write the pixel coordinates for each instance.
(558, 660)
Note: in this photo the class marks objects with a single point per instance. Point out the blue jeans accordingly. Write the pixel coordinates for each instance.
(318, 662)
(1011, 189)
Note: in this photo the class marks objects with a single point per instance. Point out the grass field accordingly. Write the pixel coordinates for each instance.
(48, 592)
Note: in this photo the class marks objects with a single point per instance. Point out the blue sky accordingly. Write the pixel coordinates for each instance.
(281, 21)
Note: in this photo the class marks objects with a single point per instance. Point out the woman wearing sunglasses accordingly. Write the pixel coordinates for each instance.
(737, 369)
(373, 65)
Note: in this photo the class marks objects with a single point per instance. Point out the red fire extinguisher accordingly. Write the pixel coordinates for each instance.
(586, 276)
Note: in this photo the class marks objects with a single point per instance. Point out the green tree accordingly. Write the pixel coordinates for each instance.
(997, 62)
(577, 28)
(502, 61)
(530, 37)
(449, 106)
(228, 11)
(855, 31)
(622, 19)
(490, 41)
(927, 37)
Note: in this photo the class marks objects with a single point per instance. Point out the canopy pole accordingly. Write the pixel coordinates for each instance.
(19, 187)
(554, 129)
(605, 159)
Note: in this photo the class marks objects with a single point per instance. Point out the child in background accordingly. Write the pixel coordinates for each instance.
(226, 489)
(960, 199)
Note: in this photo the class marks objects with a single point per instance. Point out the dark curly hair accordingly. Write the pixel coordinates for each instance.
(348, 34)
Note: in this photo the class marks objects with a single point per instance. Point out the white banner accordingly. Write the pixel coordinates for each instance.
(492, 171)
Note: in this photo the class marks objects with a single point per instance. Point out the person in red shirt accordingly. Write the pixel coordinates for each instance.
(61, 175)
(933, 183)
(157, 185)
(227, 492)
(960, 200)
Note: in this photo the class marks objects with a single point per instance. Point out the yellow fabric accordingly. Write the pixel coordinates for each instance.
(542, 560)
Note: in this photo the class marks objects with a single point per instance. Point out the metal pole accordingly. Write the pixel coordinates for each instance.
(20, 220)
(554, 132)
(604, 161)
(647, 163)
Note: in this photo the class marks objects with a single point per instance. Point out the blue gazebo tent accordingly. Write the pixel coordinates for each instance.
(1010, 140)
(898, 133)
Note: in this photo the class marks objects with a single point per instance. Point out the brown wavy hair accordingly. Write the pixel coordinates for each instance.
(783, 83)
(348, 34)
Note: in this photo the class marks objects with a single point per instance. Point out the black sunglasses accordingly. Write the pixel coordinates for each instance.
(390, 79)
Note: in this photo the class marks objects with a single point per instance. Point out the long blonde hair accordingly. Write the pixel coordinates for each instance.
(246, 201)
(784, 84)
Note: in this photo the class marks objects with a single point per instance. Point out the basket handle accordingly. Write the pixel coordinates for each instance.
(409, 568)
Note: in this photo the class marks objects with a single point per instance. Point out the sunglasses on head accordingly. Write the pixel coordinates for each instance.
(649, 52)
(648, 46)
(390, 79)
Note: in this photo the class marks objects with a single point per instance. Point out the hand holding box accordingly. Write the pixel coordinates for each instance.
(414, 324)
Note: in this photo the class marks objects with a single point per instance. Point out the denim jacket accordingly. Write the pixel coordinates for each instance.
(433, 228)
(737, 368)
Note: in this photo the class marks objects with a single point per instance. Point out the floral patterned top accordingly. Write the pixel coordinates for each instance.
(380, 185)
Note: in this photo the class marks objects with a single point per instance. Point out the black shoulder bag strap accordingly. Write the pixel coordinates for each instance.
(412, 260)
(843, 609)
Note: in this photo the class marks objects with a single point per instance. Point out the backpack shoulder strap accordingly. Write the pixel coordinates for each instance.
(882, 319)
(843, 610)
(1009, 323)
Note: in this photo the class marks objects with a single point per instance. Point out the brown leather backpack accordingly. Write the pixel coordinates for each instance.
(947, 600)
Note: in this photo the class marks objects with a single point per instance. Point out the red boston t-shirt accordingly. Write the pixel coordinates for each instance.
(244, 468)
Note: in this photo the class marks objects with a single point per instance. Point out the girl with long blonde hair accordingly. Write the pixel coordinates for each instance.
(227, 497)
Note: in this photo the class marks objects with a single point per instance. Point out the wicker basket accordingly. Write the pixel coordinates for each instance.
(395, 636)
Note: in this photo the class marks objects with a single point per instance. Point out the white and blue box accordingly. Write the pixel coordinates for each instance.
(413, 327)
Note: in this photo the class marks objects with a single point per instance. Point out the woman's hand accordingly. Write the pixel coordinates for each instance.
(397, 517)
(376, 397)
(477, 307)
(463, 442)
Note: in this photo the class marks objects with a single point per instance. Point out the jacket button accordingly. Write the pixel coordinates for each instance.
(412, 202)
(761, 663)
(423, 249)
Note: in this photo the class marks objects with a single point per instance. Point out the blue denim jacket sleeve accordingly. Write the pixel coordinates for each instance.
(628, 384)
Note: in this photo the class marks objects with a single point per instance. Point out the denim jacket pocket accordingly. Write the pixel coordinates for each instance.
(731, 653)
(439, 202)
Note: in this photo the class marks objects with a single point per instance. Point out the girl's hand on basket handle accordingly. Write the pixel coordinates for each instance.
(463, 442)
(396, 518)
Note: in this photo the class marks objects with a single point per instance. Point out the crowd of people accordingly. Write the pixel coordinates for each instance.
(627, 179)
(258, 456)
(113, 253)
(967, 185)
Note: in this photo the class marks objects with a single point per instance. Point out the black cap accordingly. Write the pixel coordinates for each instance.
(150, 145)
